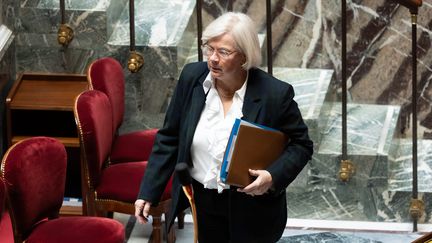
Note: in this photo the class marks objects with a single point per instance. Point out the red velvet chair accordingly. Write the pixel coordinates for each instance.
(34, 172)
(6, 231)
(110, 187)
(106, 75)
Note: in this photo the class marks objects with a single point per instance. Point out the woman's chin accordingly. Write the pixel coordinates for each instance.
(216, 74)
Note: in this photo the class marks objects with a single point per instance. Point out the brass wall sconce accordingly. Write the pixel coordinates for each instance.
(346, 170)
(65, 34)
(416, 208)
(135, 61)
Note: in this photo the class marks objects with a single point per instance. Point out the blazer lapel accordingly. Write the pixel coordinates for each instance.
(198, 98)
(252, 101)
(198, 102)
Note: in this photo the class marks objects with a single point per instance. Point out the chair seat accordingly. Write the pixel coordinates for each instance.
(117, 177)
(91, 230)
(125, 147)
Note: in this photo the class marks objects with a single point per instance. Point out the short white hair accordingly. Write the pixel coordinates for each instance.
(244, 32)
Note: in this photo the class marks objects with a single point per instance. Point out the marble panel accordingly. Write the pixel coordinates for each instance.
(338, 203)
(148, 91)
(394, 205)
(43, 53)
(311, 87)
(375, 204)
(93, 5)
(401, 169)
(55, 60)
(114, 12)
(7, 78)
(370, 129)
(370, 171)
(165, 31)
(113, 9)
(163, 24)
(10, 12)
(39, 26)
(370, 132)
(157, 23)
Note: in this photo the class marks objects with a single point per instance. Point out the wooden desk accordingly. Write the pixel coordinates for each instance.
(42, 105)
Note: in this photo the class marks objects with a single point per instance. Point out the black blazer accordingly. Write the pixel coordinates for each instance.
(268, 101)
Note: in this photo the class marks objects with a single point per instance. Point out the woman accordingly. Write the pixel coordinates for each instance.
(208, 98)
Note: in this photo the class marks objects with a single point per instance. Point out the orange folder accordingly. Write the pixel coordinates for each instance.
(250, 146)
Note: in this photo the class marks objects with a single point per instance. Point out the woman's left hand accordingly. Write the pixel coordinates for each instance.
(260, 185)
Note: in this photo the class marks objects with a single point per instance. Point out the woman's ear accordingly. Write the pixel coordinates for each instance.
(244, 61)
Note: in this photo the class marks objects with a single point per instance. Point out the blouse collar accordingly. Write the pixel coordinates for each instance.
(210, 83)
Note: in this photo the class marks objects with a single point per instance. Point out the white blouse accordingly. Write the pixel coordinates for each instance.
(211, 135)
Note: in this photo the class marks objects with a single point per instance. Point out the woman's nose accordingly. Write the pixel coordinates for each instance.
(214, 56)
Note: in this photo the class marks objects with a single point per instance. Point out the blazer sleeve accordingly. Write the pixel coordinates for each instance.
(298, 150)
(162, 160)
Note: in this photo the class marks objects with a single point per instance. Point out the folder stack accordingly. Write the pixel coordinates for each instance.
(250, 146)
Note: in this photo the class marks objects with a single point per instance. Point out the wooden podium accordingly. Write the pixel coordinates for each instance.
(42, 105)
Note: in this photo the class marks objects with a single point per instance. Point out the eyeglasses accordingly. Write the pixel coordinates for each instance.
(221, 52)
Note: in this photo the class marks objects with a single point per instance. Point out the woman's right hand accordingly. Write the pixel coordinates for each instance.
(142, 209)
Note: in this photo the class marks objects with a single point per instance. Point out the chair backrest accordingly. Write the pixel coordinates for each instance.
(34, 173)
(106, 75)
(93, 116)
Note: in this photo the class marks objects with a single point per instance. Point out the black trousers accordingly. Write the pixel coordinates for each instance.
(212, 214)
(235, 217)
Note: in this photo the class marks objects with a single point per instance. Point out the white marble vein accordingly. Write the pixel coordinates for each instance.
(157, 23)
(6, 38)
